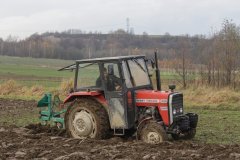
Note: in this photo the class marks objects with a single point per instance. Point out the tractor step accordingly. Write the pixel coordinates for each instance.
(119, 132)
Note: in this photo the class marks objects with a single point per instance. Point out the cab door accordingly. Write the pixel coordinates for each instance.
(114, 94)
(129, 95)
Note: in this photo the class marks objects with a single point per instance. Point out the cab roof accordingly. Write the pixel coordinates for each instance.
(93, 60)
(103, 59)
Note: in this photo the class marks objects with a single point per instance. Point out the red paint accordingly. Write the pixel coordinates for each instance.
(73, 95)
(140, 94)
(101, 99)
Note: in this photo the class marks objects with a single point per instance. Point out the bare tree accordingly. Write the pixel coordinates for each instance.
(182, 60)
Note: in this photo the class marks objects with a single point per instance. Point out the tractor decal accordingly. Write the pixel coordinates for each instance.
(151, 100)
(163, 108)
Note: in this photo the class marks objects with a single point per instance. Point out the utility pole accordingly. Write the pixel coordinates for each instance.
(128, 25)
(29, 48)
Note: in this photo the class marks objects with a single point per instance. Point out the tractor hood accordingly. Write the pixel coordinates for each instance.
(149, 98)
(152, 98)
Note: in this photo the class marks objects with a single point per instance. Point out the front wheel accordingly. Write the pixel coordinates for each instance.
(152, 133)
(87, 118)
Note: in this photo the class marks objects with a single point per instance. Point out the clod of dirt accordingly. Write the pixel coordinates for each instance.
(2, 129)
(75, 155)
(39, 128)
(20, 154)
(146, 156)
(20, 130)
(44, 153)
(235, 155)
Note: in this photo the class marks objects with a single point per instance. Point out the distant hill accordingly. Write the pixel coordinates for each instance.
(77, 45)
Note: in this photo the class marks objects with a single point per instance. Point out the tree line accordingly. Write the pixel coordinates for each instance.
(77, 45)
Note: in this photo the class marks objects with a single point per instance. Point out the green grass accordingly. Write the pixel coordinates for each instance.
(32, 71)
(27, 61)
(37, 71)
(218, 126)
(45, 83)
(21, 120)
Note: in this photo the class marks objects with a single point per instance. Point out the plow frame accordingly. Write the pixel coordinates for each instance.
(47, 114)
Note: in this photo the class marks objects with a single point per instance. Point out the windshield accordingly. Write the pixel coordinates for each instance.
(88, 74)
(138, 73)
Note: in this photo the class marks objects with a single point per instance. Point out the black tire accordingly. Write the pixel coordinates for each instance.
(186, 136)
(152, 132)
(190, 134)
(92, 117)
(129, 133)
(175, 136)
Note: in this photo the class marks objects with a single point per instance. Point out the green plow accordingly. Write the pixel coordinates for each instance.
(47, 113)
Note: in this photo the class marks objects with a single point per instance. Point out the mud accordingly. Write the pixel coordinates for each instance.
(9, 106)
(35, 141)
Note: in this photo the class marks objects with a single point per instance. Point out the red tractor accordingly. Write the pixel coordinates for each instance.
(115, 96)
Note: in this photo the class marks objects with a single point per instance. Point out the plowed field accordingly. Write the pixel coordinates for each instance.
(35, 141)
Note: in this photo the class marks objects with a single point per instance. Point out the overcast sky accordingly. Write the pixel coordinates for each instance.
(24, 17)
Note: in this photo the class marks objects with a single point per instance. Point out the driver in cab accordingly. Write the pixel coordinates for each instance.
(112, 82)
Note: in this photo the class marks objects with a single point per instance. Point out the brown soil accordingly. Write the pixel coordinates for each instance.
(44, 142)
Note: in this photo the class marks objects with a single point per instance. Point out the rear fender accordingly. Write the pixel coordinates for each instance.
(75, 95)
(94, 95)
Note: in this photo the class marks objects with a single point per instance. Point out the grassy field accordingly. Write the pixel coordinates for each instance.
(217, 126)
(218, 109)
(32, 71)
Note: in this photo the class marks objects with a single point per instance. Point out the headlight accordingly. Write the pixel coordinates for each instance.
(174, 111)
(181, 110)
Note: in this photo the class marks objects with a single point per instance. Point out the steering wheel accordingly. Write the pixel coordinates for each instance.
(118, 87)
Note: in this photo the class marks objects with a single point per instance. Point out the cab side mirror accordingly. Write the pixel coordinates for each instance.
(153, 63)
(172, 87)
(151, 66)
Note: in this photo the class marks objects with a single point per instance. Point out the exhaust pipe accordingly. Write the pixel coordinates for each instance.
(158, 80)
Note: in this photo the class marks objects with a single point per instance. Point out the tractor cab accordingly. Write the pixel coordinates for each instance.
(117, 79)
(111, 74)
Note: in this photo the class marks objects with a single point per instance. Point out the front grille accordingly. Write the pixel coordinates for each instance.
(177, 103)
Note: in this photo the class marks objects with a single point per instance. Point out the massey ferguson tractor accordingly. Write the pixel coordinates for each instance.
(115, 96)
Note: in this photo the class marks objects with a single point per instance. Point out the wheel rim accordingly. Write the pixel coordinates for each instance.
(83, 124)
(153, 138)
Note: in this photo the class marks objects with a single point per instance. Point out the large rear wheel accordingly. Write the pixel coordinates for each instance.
(87, 118)
(152, 133)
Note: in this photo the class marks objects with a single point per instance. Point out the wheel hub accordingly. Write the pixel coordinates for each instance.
(153, 137)
(83, 124)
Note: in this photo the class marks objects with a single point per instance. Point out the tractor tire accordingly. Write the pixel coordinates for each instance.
(87, 119)
(176, 137)
(152, 133)
(186, 136)
(130, 133)
(190, 134)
